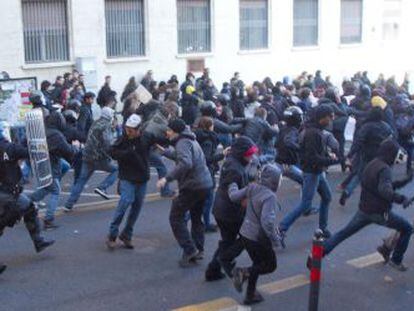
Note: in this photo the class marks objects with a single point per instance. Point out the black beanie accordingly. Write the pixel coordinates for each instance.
(177, 125)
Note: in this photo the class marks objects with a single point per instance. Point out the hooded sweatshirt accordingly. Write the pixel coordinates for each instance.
(190, 169)
(260, 221)
(378, 190)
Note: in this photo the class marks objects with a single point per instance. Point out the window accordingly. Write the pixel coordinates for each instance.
(125, 31)
(351, 21)
(391, 20)
(45, 31)
(194, 26)
(254, 32)
(305, 22)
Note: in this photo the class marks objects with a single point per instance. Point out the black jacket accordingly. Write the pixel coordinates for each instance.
(257, 130)
(232, 171)
(368, 139)
(57, 143)
(104, 94)
(133, 157)
(313, 150)
(71, 131)
(288, 146)
(378, 189)
(10, 172)
(208, 142)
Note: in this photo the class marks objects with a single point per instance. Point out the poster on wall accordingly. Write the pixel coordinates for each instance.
(14, 99)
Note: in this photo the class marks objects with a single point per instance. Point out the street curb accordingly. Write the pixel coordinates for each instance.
(100, 206)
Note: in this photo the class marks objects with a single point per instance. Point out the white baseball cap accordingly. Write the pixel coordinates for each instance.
(133, 121)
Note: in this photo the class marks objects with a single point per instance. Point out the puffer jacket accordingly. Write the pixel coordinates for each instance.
(190, 169)
(98, 144)
(232, 171)
(260, 223)
(288, 146)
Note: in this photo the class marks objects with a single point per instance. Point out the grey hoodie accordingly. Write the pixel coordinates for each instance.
(190, 169)
(260, 221)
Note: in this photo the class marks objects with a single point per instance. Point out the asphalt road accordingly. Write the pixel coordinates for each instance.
(79, 273)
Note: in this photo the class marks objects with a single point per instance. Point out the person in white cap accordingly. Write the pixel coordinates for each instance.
(131, 151)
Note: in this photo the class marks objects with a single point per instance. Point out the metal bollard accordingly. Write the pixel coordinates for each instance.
(315, 275)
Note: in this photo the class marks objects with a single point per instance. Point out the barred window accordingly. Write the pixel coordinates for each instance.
(125, 31)
(45, 31)
(194, 26)
(351, 21)
(305, 22)
(254, 31)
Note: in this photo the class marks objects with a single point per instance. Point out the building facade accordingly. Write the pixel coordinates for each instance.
(258, 38)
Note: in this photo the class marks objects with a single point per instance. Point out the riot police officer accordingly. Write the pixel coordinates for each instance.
(13, 203)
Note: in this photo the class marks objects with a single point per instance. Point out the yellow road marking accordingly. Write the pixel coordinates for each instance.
(366, 261)
(285, 284)
(221, 304)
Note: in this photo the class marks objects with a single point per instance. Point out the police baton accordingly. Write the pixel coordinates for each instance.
(315, 268)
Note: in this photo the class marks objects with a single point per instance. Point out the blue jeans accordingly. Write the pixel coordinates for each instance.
(65, 166)
(131, 195)
(208, 205)
(293, 172)
(54, 191)
(361, 219)
(86, 173)
(225, 139)
(311, 184)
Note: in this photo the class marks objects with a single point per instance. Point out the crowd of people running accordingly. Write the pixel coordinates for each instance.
(231, 148)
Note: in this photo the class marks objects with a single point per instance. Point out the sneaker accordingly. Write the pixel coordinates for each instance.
(127, 242)
(399, 267)
(385, 252)
(111, 243)
(49, 225)
(188, 260)
(343, 198)
(168, 193)
(42, 245)
(102, 193)
(2, 268)
(240, 276)
(68, 209)
(253, 299)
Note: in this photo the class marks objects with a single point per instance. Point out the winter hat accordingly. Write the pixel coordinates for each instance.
(378, 101)
(107, 113)
(177, 125)
(323, 111)
(241, 146)
(133, 121)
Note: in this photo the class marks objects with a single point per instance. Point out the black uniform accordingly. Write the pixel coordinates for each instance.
(13, 203)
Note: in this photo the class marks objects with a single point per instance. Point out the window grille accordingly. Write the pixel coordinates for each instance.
(254, 31)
